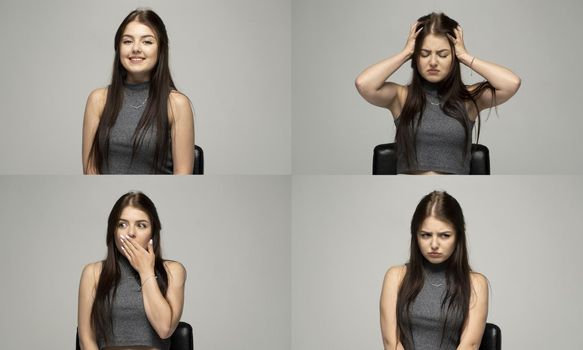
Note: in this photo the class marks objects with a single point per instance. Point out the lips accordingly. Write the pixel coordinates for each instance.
(435, 255)
(137, 59)
(432, 71)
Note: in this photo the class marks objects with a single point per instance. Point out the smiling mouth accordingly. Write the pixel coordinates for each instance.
(136, 59)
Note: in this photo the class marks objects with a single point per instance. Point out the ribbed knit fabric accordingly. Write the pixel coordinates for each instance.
(440, 141)
(426, 321)
(122, 132)
(130, 324)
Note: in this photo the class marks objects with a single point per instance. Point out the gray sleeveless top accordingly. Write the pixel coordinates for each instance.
(440, 140)
(122, 132)
(130, 324)
(426, 321)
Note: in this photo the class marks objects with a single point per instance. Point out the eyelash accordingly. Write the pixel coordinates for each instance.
(442, 56)
(126, 42)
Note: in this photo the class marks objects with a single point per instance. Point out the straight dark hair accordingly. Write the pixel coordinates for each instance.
(101, 319)
(451, 90)
(155, 116)
(456, 303)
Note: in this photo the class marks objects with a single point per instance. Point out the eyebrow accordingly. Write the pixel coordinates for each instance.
(439, 233)
(124, 220)
(438, 51)
(143, 36)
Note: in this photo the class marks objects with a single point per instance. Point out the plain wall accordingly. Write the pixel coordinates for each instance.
(523, 233)
(232, 234)
(334, 130)
(231, 58)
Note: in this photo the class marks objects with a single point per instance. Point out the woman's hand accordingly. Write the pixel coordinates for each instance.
(142, 260)
(458, 43)
(410, 45)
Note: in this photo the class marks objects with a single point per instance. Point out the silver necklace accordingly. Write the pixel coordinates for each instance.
(433, 103)
(140, 105)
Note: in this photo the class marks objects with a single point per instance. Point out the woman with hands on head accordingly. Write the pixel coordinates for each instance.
(436, 112)
(140, 123)
(133, 299)
(435, 301)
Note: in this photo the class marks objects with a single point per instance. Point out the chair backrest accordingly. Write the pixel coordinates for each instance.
(182, 338)
(198, 168)
(492, 338)
(384, 160)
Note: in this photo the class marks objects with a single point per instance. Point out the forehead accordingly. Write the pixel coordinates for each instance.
(433, 224)
(435, 43)
(137, 29)
(133, 214)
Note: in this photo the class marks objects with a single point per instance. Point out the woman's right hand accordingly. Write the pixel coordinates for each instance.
(410, 45)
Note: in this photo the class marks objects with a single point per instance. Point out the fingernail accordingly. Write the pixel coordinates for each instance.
(151, 242)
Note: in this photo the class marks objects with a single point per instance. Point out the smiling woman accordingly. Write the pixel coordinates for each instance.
(435, 301)
(132, 299)
(140, 123)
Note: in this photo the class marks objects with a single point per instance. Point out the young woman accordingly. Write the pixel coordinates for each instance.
(133, 299)
(435, 301)
(435, 113)
(140, 123)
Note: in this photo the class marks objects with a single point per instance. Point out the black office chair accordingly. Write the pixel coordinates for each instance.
(198, 168)
(182, 338)
(492, 338)
(384, 160)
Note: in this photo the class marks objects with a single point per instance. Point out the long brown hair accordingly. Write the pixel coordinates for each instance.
(451, 90)
(110, 273)
(155, 116)
(455, 305)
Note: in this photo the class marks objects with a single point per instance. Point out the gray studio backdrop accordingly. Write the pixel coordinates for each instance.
(334, 130)
(232, 58)
(231, 233)
(524, 234)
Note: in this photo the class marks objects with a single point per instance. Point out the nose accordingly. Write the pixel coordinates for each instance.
(132, 232)
(433, 60)
(136, 47)
(434, 244)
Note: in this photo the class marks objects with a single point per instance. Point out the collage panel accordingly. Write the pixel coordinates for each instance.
(229, 61)
(231, 235)
(521, 233)
(353, 70)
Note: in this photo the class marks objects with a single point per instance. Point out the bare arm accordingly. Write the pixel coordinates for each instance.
(476, 322)
(87, 287)
(502, 79)
(388, 306)
(182, 131)
(372, 84)
(93, 111)
(163, 312)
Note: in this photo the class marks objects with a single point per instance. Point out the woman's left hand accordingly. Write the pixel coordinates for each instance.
(142, 260)
(458, 43)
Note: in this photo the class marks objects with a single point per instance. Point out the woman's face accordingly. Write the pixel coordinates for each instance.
(135, 224)
(435, 59)
(436, 240)
(138, 51)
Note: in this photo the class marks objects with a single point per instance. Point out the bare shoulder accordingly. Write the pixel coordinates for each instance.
(395, 275)
(479, 282)
(175, 270)
(179, 100)
(91, 272)
(179, 106)
(98, 96)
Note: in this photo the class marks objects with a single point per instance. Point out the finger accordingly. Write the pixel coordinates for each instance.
(128, 247)
(132, 244)
(151, 247)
